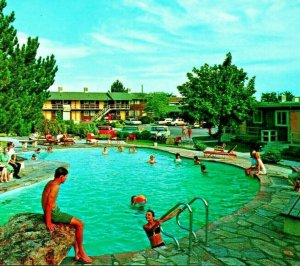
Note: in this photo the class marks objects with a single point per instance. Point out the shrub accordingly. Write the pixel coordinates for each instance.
(146, 119)
(122, 135)
(271, 156)
(198, 145)
(145, 134)
(103, 136)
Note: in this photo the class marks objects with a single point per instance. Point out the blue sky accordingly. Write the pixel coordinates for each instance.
(155, 43)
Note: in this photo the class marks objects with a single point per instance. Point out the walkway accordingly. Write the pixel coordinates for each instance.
(253, 235)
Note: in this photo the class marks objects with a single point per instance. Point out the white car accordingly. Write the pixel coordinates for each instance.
(130, 129)
(166, 121)
(132, 121)
(160, 131)
(197, 125)
(178, 122)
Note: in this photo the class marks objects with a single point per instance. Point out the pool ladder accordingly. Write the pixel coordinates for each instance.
(192, 235)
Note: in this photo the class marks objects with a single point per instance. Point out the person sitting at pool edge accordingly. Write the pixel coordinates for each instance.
(152, 228)
(54, 215)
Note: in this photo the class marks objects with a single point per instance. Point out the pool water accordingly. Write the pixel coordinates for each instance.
(99, 188)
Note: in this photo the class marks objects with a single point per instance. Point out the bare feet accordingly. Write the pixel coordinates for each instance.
(84, 258)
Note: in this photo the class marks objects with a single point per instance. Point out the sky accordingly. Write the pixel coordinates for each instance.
(152, 45)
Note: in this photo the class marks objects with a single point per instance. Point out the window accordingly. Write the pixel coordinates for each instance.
(281, 118)
(257, 117)
(86, 113)
(269, 135)
(92, 113)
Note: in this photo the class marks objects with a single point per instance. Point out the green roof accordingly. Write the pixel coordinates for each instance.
(93, 96)
(124, 96)
(276, 105)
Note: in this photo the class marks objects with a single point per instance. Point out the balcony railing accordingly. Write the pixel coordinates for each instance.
(56, 106)
(89, 106)
(117, 106)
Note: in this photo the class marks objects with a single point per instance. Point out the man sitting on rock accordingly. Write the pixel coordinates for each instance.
(54, 215)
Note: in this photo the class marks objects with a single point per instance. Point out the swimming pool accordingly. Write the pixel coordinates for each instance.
(98, 191)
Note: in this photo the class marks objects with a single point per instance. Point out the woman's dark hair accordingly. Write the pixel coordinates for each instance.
(153, 214)
(60, 171)
(9, 143)
(177, 154)
(196, 157)
(132, 197)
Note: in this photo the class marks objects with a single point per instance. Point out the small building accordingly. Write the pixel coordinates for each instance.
(275, 122)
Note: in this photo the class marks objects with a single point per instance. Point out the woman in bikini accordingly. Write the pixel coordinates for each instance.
(152, 228)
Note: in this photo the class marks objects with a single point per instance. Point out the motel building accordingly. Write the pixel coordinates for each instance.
(91, 106)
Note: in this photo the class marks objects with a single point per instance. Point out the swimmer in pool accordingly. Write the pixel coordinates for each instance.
(104, 152)
(177, 158)
(196, 160)
(203, 169)
(152, 228)
(152, 159)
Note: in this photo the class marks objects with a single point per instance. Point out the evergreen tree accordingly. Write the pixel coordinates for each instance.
(117, 86)
(25, 79)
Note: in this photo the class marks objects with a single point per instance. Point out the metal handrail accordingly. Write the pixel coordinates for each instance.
(177, 220)
(190, 229)
(206, 214)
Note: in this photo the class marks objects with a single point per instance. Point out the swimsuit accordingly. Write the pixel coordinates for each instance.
(60, 217)
(154, 231)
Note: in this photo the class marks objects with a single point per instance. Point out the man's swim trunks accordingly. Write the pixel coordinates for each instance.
(60, 217)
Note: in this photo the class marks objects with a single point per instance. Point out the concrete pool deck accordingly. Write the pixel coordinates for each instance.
(252, 235)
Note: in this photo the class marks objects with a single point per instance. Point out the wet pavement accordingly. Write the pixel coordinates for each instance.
(252, 235)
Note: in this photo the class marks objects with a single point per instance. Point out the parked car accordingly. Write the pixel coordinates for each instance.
(106, 130)
(132, 121)
(160, 131)
(130, 129)
(196, 125)
(178, 122)
(165, 121)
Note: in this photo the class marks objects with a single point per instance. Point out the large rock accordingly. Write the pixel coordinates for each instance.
(26, 240)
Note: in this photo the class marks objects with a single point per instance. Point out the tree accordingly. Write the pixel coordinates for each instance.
(289, 95)
(117, 86)
(24, 78)
(157, 103)
(218, 94)
(273, 97)
(269, 97)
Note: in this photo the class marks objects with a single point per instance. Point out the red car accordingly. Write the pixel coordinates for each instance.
(106, 130)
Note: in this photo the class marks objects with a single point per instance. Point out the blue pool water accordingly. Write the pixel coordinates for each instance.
(99, 187)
